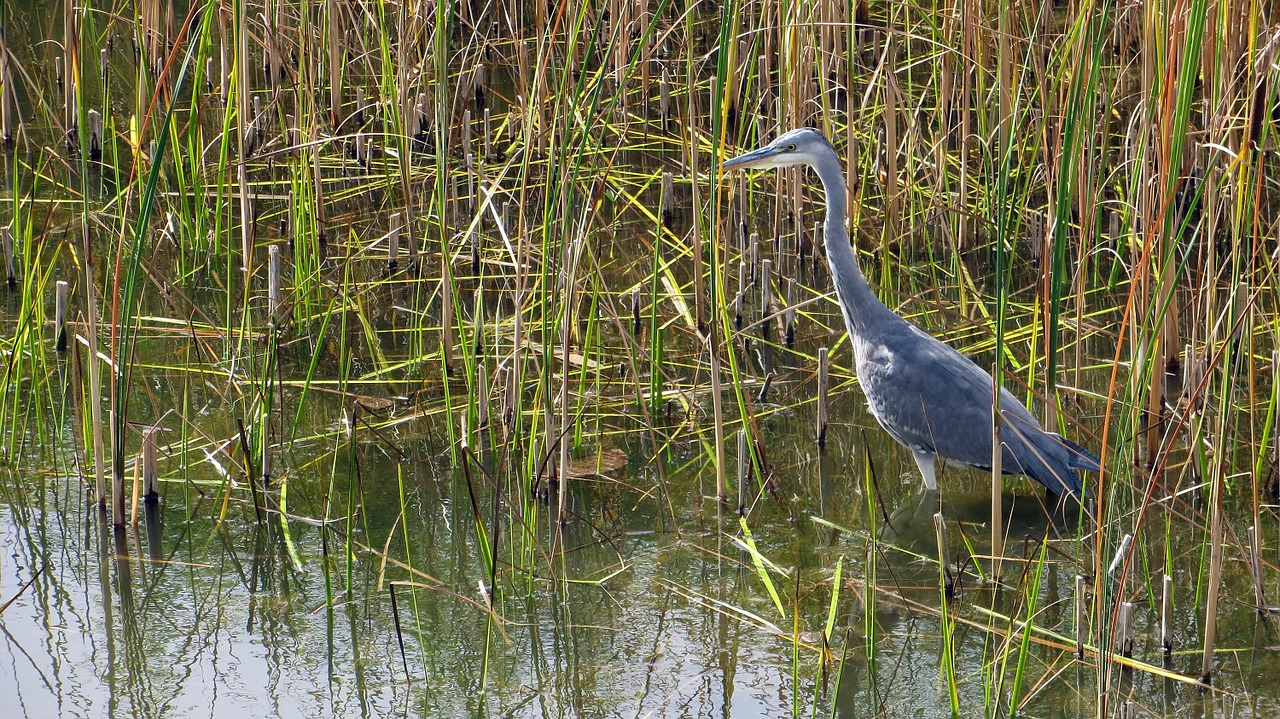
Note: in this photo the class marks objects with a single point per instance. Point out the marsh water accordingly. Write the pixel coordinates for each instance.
(651, 607)
(345, 528)
(205, 611)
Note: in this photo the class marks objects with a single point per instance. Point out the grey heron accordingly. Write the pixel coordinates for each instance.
(930, 398)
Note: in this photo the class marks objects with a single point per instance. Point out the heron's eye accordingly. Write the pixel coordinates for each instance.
(791, 147)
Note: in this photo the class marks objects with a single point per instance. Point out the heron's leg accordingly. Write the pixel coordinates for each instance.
(930, 502)
(928, 464)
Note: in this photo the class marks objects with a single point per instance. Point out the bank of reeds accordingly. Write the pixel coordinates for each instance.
(506, 223)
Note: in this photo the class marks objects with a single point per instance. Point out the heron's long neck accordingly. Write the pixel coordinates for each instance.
(859, 303)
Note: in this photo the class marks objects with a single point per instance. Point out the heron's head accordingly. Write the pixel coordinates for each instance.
(805, 146)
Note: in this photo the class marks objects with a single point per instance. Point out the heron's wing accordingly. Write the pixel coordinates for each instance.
(929, 396)
(1042, 456)
(1079, 457)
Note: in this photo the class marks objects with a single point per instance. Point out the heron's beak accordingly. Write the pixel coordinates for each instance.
(756, 159)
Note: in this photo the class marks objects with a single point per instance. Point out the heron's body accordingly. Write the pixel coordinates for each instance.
(930, 398)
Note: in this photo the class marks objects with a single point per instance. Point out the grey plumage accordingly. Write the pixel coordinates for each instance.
(930, 398)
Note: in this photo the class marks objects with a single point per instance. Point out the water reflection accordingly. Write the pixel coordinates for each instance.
(197, 616)
(114, 626)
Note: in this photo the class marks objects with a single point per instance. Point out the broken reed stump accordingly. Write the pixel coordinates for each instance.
(6, 238)
(664, 98)
(150, 475)
(763, 395)
(944, 553)
(1122, 551)
(1124, 630)
(744, 471)
(118, 509)
(1255, 570)
(273, 286)
(1215, 575)
(6, 94)
(478, 87)
(824, 385)
(740, 299)
(62, 297)
(667, 202)
(95, 135)
(1166, 615)
(482, 395)
(766, 296)
(393, 245)
(636, 324)
(473, 242)
(789, 314)
(446, 318)
(1082, 614)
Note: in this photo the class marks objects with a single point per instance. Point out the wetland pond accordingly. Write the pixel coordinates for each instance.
(413, 360)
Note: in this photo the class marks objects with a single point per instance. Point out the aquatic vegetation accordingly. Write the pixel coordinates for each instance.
(438, 325)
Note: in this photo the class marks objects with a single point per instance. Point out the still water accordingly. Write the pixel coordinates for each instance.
(660, 616)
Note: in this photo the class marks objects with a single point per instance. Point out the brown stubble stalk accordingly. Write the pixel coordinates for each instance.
(1215, 565)
(892, 199)
(1253, 150)
(1166, 343)
(71, 45)
(332, 18)
(71, 76)
(6, 93)
(706, 330)
(966, 68)
(90, 294)
(1096, 146)
(242, 90)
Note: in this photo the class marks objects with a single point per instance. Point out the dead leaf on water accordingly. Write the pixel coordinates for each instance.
(596, 465)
